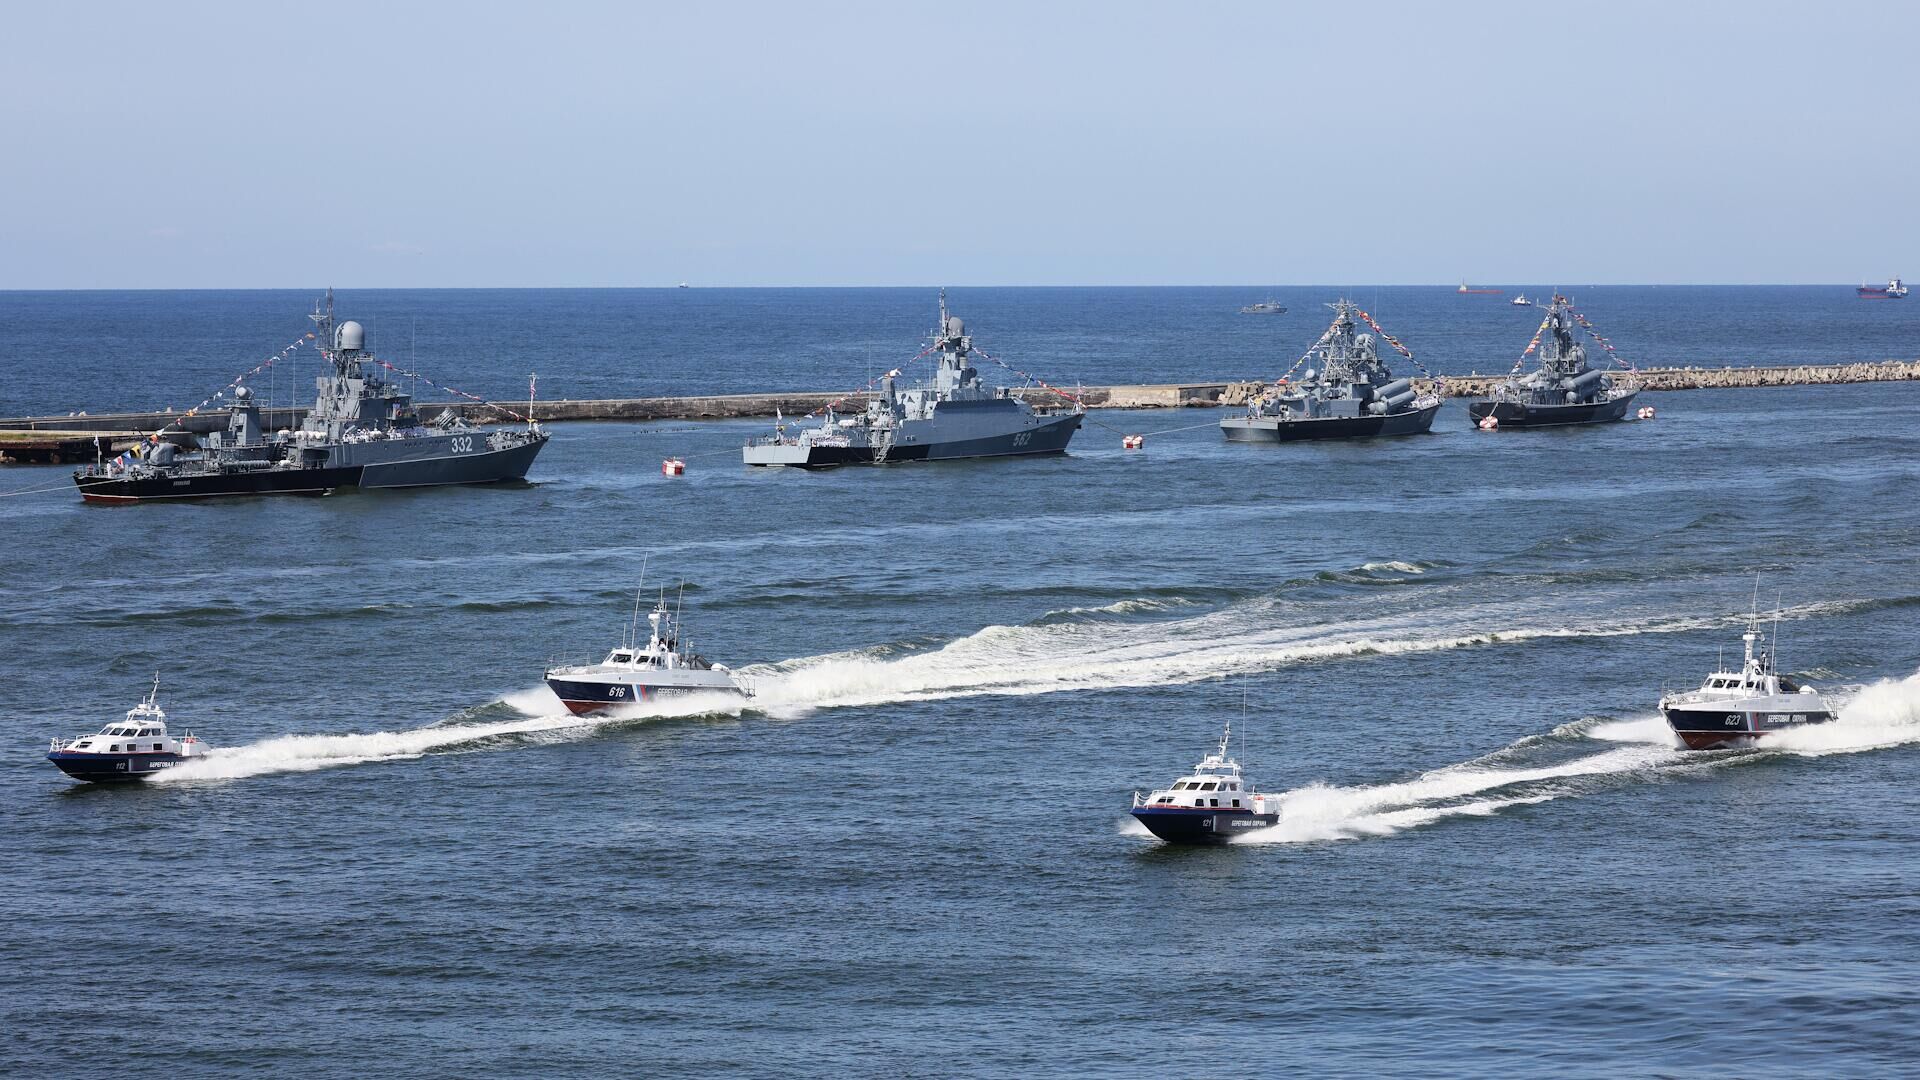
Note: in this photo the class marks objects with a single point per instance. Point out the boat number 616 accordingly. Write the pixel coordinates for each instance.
(461, 444)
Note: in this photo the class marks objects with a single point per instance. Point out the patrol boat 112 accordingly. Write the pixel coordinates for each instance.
(133, 748)
(362, 431)
(958, 416)
(1351, 395)
(1732, 708)
(1208, 805)
(1565, 390)
(665, 666)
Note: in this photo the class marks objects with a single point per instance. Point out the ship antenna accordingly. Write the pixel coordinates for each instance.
(633, 632)
(533, 378)
(679, 634)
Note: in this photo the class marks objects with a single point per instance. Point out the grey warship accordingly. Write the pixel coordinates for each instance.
(956, 416)
(363, 431)
(1565, 389)
(1350, 395)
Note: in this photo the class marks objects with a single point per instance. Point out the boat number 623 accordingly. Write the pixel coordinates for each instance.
(461, 443)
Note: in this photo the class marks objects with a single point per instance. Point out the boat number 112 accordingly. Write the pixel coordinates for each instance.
(461, 444)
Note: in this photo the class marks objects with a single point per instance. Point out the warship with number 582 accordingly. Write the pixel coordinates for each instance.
(363, 431)
(956, 416)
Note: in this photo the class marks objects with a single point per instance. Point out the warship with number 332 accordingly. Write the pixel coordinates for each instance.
(957, 416)
(363, 431)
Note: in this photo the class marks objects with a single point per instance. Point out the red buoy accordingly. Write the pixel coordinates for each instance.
(1133, 442)
(673, 466)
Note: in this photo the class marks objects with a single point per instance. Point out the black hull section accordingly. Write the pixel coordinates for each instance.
(487, 467)
(582, 696)
(1411, 422)
(1712, 729)
(1180, 825)
(1514, 414)
(104, 489)
(1048, 438)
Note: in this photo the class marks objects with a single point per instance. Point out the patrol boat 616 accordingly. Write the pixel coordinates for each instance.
(130, 749)
(958, 416)
(1208, 805)
(1351, 395)
(1565, 390)
(665, 666)
(362, 431)
(1732, 708)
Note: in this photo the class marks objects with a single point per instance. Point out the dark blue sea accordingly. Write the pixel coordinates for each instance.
(910, 854)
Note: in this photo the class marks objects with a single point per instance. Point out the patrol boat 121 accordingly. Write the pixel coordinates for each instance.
(1351, 395)
(362, 431)
(665, 666)
(133, 748)
(1733, 708)
(1208, 805)
(1565, 390)
(958, 416)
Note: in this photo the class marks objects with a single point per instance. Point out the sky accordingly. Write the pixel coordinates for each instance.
(269, 145)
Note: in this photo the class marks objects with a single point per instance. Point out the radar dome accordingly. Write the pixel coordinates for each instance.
(955, 328)
(351, 335)
(242, 393)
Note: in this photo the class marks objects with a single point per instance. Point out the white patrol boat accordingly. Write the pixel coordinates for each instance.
(1736, 707)
(130, 749)
(1208, 805)
(631, 672)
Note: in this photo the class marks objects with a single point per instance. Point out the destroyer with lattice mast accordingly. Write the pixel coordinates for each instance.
(1350, 394)
(1565, 388)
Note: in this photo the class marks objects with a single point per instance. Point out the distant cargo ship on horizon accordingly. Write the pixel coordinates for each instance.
(1894, 289)
(1466, 291)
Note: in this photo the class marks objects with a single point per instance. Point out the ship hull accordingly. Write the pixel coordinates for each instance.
(113, 490)
(1274, 430)
(1194, 825)
(1702, 728)
(1051, 436)
(481, 467)
(112, 768)
(1880, 294)
(583, 696)
(1518, 415)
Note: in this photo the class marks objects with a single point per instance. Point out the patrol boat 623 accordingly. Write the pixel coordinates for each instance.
(1208, 805)
(630, 673)
(959, 416)
(1732, 708)
(1351, 395)
(130, 749)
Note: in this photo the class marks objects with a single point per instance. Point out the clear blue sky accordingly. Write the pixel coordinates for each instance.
(185, 145)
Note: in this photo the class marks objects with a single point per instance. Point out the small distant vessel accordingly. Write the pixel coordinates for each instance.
(1734, 708)
(1564, 390)
(1351, 395)
(1521, 301)
(1208, 805)
(683, 285)
(133, 748)
(958, 416)
(1265, 307)
(1892, 290)
(1467, 291)
(664, 667)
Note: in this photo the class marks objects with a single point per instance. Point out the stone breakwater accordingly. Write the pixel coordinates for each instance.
(1149, 396)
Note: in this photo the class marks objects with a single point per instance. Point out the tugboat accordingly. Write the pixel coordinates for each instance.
(1892, 290)
(1265, 307)
(1352, 395)
(1565, 390)
(958, 416)
(665, 666)
(1521, 301)
(1735, 708)
(362, 431)
(133, 748)
(1208, 805)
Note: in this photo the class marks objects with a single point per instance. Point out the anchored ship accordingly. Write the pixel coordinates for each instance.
(1265, 307)
(665, 666)
(133, 748)
(1350, 395)
(1565, 389)
(1208, 805)
(1465, 291)
(957, 416)
(1892, 290)
(1733, 708)
(363, 431)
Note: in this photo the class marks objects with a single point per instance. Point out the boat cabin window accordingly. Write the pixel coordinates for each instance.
(1236, 802)
(115, 749)
(619, 658)
(157, 746)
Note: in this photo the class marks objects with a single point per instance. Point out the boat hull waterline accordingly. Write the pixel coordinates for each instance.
(1266, 429)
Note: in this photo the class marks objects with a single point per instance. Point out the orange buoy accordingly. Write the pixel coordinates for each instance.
(1133, 442)
(1489, 422)
(673, 466)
